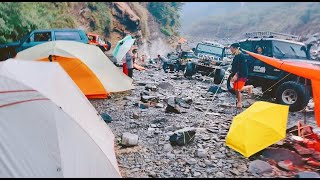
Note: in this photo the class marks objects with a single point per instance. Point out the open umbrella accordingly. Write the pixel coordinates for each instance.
(122, 47)
(258, 127)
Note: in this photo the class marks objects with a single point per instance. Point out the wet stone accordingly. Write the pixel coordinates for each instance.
(286, 165)
(219, 175)
(308, 174)
(192, 161)
(259, 167)
(201, 153)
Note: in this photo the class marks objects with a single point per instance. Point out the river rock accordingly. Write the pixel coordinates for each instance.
(201, 153)
(259, 167)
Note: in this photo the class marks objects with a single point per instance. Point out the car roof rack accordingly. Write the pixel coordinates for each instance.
(212, 43)
(269, 34)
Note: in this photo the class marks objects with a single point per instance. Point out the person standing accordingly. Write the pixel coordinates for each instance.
(142, 60)
(124, 65)
(240, 70)
(129, 63)
(164, 62)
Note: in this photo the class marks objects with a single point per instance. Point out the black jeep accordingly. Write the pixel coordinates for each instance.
(212, 60)
(287, 88)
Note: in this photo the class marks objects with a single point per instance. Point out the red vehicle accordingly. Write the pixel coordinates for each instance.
(96, 40)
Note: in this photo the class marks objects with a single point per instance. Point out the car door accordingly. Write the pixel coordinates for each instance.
(248, 45)
(34, 39)
(260, 68)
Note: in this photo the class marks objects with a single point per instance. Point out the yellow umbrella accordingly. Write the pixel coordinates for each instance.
(258, 127)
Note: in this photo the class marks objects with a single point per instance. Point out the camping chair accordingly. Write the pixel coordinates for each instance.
(301, 128)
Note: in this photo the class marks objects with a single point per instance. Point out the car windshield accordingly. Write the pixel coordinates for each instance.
(203, 48)
(227, 52)
(187, 55)
(24, 38)
(288, 50)
(91, 38)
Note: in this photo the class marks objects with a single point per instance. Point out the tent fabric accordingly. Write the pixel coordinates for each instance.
(91, 58)
(258, 127)
(299, 69)
(87, 81)
(81, 133)
(122, 47)
(182, 40)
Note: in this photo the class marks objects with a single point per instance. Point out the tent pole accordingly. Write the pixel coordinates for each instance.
(305, 109)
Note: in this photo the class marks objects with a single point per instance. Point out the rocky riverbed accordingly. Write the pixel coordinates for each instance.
(153, 156)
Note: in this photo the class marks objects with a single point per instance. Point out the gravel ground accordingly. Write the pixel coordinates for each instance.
(154, 156)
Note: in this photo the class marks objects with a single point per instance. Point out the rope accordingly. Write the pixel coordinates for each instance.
(276, 83)
(216, 92)
(305, 108)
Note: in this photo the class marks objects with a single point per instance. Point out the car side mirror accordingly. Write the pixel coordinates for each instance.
(193, 49)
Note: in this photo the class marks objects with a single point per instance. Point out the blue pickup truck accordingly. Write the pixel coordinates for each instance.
(36, 37)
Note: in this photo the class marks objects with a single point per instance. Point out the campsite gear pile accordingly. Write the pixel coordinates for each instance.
(49, 128)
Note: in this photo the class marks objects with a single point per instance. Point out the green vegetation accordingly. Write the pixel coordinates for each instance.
(101, 16)
(19, 18)
(167, 14)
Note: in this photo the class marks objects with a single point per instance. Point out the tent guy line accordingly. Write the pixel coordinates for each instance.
(15, 91)
(19, 102)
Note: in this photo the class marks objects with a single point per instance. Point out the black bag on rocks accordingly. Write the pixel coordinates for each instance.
(182, 136)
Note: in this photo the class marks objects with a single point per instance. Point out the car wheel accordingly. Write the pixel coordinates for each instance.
(189, 70)
(293, 94)
(102, 49)
(230, 85)
(218, 76)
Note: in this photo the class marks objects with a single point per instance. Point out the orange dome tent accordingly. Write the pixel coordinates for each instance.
(86, 64)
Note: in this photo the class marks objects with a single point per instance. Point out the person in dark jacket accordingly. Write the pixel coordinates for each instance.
(129, 63)
(164, 62)
(240, 70)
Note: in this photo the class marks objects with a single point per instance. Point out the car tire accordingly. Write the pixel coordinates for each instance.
(230, 85)
(218, 76)
(293, 94)
(102, 49)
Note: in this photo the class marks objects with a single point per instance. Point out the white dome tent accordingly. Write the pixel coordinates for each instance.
(48, 127)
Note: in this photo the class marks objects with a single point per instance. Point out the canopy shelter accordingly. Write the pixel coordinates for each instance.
(86, 64)
(48, 127)
(298, 68)
(258, 127)
(182, 40)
